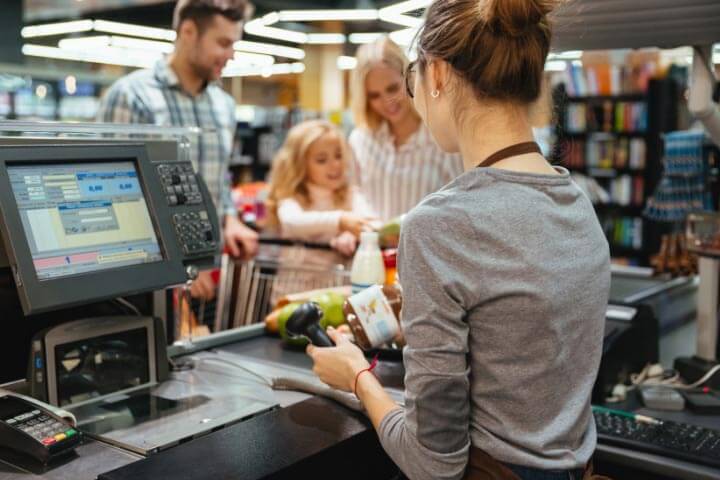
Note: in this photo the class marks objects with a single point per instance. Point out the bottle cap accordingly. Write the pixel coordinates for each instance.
(369, 238)
(390, 258)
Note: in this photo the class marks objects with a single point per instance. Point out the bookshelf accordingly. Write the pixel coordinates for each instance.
(616, 140)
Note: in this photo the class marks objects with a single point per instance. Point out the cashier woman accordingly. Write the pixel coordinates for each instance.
(182, 91)
(505, 271)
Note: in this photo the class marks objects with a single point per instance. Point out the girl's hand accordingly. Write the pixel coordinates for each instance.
(345, 243)
(337, 366)
(355, 224)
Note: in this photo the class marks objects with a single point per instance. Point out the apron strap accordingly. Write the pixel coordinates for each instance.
(511, 151)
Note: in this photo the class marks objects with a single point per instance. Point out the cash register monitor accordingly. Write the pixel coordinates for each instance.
(83, 223)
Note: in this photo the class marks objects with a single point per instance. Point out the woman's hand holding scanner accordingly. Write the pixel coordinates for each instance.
(305, 322)
(339, 365)
(355, 224)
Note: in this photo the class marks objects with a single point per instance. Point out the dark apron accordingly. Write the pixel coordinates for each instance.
(484, 467)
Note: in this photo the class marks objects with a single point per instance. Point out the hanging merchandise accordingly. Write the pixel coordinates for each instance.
(682, 190)
(682, 187)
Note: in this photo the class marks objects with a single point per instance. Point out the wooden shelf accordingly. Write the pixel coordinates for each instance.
(610, 134)
(623, 251)
(599, 172)
(624, 97)
(633, 210)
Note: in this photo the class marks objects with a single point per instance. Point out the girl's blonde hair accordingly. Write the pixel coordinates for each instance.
(289, 168)
(385, 52)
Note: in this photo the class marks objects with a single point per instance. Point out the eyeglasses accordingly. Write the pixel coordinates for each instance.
(410, 73)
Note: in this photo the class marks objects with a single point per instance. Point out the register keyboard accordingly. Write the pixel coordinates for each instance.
(668, 439)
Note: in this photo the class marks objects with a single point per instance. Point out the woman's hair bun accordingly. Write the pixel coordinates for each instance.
(515, 17)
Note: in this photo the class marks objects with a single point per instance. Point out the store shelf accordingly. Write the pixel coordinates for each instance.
(623, 251)
(625, 97)
(598, 172)
(633, 210)
(584, 135)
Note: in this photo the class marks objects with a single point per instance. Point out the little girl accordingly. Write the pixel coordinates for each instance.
(311, 198)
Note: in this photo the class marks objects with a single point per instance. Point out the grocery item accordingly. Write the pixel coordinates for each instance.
(390, 259)
(331, 303)
(390, 233)
(368, 267)
(373, 315)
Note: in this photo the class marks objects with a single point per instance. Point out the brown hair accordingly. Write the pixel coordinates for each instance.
(202, 11)
(499, 47)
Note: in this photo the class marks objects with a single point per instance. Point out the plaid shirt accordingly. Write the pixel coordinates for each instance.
(156, 97)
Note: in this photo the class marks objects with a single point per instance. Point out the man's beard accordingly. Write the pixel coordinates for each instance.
(201, 71)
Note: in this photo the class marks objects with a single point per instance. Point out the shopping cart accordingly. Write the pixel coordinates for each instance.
(249, 291)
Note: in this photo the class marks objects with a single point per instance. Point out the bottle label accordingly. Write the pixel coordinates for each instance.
(359, 287)
(375, 315)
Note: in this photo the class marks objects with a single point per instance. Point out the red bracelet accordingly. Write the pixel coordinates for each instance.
(372, 366)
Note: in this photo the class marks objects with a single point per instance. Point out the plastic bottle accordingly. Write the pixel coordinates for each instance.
(368, 267)
(390, 259)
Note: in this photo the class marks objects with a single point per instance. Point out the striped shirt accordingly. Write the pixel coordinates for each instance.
(155, 96)
(395, 179)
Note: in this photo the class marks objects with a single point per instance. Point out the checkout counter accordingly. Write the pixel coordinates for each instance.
(224, 409)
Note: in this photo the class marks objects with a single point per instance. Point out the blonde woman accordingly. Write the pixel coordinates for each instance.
(310, 197)
(398, 162)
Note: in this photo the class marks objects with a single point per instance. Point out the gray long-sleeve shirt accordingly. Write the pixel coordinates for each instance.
(505, 280)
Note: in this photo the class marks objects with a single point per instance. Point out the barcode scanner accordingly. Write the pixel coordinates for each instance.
(305, 322)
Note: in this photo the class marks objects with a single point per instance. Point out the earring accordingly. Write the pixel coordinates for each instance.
(435, 93)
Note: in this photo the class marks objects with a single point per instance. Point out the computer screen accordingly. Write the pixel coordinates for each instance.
(80, 218)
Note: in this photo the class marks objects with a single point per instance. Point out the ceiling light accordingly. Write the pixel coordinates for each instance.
(116, 41)
(569, 55)
(270, 49)
(326, 38)
(134, 30)
(253, 59)
(362, 38)
(261, 27)
(404, 37)
(397, 13)
(61, 28)
(347, 63)
(108, 55)
(327, 15)
(277, 69)
(556, 66)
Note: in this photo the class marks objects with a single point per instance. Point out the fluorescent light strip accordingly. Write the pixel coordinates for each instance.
(277, 69)
(261, 28)
(107, 55)
(347, 63)
(404, 37)
(396, 13)
(270, 49)
(134, 30)
(326, 38)
(116, 41)
(569, 55)
(62, 28)
(556, 66)
(327, 15)
(362, 38)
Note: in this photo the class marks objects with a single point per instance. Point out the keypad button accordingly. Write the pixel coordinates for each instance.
(35, 412)
(43, 418)
(70, 433)
(48, 441)
(11, 421)
(60, 437)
